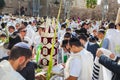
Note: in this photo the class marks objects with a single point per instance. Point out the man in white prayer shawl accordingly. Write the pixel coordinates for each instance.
(80, 64)
(37, 37)
(112, 43)
(20, 55)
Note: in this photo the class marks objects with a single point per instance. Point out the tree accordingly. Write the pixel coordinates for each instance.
(2, 4)
(91, 3)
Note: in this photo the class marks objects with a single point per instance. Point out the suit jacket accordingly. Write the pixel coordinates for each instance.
(111, 65)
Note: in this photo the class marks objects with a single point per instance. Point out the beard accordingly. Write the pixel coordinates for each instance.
(21, 66)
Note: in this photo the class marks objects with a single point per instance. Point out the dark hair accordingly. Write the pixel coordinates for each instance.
(67, 35)
(83, 24)
(75, 42)
(101, 31)
(30, 22)
(21, 28)
(63, 26)
(3, 35)
(82, 36)
(25, 24)
(17, 52)
(64, 43)
(111, 25)
(68, 29)
(11, 27)
(3, 25)
(102, 28)
(92, 39)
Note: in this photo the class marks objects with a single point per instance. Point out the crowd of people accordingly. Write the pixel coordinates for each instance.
(88, 49)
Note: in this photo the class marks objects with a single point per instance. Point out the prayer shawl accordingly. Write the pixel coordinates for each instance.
(114, 41)
(87, 65)
(99, 71)
(8, 73)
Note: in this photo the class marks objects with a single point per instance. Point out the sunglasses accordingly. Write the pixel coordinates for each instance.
(24, 31)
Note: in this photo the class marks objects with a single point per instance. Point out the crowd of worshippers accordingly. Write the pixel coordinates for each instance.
(90, 49)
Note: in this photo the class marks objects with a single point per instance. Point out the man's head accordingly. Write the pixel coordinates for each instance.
(75, 45)
(17, 26)
(68, 30)
(41, 29)
(83, 39)
(20, 55)
(84, 25)
(11, 29)
(24, 24)
(3, 37)
(63, 26)
(111, 26)
(65, 46)
(22, 31)
(67, 36)
(101, 34)
(33, 23)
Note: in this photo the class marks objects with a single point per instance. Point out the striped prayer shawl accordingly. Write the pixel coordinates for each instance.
(99, 71)
(96, 69)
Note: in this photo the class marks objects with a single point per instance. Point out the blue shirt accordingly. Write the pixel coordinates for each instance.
(105, 43)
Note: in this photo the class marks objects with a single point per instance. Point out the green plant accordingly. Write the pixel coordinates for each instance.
(91, 3)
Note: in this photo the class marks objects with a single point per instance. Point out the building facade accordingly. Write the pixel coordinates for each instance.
(13, 6)
(69, 8)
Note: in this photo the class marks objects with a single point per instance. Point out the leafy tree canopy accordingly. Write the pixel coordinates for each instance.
(91, 3)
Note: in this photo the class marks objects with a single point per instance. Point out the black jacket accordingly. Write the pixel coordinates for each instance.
(13, 40)
(111, 65)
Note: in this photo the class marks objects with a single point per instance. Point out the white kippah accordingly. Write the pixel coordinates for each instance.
(22, 45)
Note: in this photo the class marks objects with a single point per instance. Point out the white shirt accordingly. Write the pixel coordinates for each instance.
(114, 41)
(30, 32)
(86, 44)
(36, 39)
(76, 69)
(61, 34)
(71, 70)
(8, 73)
(77, 65)
(30, 42)
(3, 51)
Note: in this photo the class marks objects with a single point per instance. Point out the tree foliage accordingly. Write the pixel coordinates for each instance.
(91, 3)
(2, 4)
